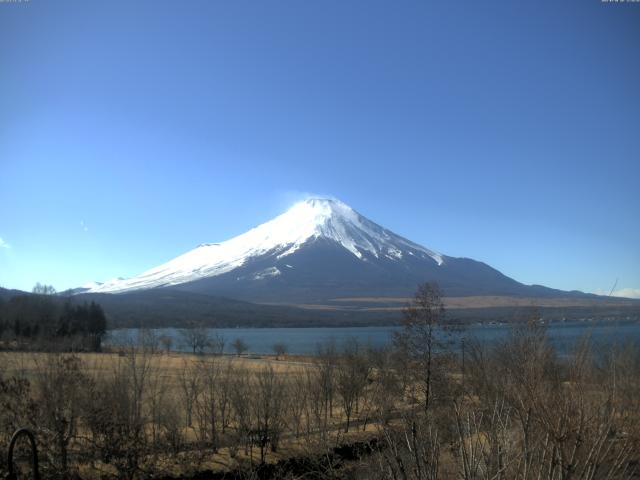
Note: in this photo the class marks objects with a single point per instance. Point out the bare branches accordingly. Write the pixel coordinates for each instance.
(418, 338)
(524, 412)
(239, 346)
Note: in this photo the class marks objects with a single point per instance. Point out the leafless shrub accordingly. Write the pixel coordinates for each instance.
(115, 416)
(217, 343)
(387, 389)
(208, 374)
(190, 387)
(352, 375)
(166, 341)
(60, 386)
(240, 346)
(280, 349)
(297, 404)
(241, 403)
(411, 451)
(327, 359)
(268, 408)
(196, 338)
(555, 419)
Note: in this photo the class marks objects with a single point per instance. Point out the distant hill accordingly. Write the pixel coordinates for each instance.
(6, 294)
(175, 308)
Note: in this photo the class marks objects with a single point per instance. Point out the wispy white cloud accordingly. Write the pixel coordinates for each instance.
(623, 292)
(627, 292)
(286, 199)
(84, 226)
(4, 244)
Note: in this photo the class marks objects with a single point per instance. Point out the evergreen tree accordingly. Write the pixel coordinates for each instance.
(97, 324)
(49, 317)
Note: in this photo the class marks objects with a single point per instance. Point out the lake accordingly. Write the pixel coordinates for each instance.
(305, 340)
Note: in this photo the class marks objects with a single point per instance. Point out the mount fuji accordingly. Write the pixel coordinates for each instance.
(320, 250)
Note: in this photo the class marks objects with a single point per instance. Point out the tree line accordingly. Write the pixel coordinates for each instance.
(43, 320)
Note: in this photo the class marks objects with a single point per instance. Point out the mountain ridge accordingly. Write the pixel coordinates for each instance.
(317, 250)
(305, 222)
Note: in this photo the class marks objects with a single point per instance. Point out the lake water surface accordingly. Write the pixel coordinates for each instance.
(306, 340)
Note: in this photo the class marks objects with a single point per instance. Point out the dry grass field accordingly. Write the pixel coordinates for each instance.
(171, 364)
(171, 378)
(492, 301)
(512, 410)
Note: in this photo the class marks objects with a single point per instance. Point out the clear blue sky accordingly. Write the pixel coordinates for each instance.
(508, 132)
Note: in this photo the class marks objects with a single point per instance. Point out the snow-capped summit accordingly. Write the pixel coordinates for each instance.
(333, 220)
(319, 252)
(318, 221)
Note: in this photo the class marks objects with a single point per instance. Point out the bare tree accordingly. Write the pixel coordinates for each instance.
(196, 338)
(167, 342)
(157, 404)
(115, 417)
(170, 422)
(239, 346)
(525, 413)
(225, 383)
(298, 395)
(352, 375)
(386, 390)
(543, 418)
(60, 385)
(410, 452)
(207, 403)
(217, 343)
(418, 337)
(148, 339)
(316, 416)
(40, 289)
(268, 407)
(327, 358)
(190, 386)
(280, 349)
(241, 395)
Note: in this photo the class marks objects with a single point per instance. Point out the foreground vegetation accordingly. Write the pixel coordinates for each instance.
(509, 410)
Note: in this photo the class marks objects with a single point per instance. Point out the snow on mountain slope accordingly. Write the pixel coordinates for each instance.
(305, 221)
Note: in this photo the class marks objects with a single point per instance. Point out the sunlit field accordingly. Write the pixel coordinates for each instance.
(513, 409)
